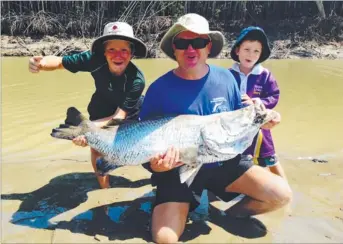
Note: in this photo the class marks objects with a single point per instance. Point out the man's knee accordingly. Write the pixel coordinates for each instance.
(165, 235)
(168, 221)
(282, 195)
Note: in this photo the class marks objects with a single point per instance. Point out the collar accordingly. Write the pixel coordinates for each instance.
(257, 70)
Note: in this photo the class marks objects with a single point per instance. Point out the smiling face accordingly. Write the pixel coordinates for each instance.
(249, 53)
(118, 55)
(194, 55)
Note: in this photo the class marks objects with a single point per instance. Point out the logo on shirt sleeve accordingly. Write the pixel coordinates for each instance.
(219, 104)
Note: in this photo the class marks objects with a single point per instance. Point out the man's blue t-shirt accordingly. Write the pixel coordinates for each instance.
(216, 92)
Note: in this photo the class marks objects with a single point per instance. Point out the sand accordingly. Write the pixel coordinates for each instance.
(65, 191)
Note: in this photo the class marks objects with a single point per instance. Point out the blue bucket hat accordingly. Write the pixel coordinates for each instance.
(252, 33)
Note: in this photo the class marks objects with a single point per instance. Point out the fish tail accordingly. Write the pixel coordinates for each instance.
(75, 125)
(104, 167)
(74, 117)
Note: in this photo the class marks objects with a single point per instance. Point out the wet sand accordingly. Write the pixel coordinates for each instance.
(66, 192)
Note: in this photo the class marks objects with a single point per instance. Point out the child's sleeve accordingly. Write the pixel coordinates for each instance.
(270, 93)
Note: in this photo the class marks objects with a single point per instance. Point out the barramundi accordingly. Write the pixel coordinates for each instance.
(200, 139)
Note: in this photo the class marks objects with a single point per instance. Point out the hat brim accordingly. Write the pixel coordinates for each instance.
(166, 44)
(98, 44)
(261, 36)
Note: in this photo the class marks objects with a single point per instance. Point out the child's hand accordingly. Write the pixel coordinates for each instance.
(246, 100)
(272, 123)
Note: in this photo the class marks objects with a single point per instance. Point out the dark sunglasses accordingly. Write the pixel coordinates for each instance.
(197, 43)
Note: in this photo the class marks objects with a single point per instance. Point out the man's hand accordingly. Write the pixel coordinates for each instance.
(272, 123)
(167, 161)
(80, 141)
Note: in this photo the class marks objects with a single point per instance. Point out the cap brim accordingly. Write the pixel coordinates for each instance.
(98, 44)
(166, 44)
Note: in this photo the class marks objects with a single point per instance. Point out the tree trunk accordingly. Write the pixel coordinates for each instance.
(320, 7)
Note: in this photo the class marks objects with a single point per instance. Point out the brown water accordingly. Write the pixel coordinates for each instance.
(311, 106)
(52, 182)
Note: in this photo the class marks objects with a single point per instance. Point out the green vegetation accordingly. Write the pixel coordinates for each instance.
(87, 18)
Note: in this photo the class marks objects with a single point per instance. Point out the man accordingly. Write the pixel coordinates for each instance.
(195, 87)
(118, 82)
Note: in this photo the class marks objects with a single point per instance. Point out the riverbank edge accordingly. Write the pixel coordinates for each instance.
(51, 45)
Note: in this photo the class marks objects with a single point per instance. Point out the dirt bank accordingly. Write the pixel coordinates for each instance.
(50, 45)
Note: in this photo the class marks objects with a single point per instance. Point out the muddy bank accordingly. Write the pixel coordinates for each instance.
(50, 45)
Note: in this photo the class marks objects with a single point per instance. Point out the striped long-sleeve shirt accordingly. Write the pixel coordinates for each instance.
(111, 91)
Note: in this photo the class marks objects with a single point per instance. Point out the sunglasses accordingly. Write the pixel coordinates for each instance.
(197, 43)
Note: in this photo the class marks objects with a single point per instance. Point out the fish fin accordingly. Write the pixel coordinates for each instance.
(75, 125)
(74, 117)
(116, 122)
(189, 155)
(105, 166)
(188, 172)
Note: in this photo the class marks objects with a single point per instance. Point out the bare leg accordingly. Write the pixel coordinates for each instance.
(104, 181)
(168, 221)
(264, 192)
(278, 170)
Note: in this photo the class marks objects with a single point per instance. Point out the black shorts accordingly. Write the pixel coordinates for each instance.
(214, 179)
(98, 108)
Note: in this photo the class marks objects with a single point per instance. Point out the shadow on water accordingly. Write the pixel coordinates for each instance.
(126, 219)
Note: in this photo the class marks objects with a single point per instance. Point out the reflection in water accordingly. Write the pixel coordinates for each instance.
(36, 219)
(115, 212)
(146, 207)
(88, 215)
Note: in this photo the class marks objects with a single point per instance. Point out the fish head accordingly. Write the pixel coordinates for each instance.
(262, 114)
(235, 122)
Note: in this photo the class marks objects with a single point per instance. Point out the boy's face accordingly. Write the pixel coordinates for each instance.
(118, 55)
(249, 53)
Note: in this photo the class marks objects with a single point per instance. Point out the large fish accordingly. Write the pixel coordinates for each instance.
(200, 139)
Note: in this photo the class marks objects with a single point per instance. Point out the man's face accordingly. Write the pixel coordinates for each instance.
(118, 55)
(249, 52)
(191, 49)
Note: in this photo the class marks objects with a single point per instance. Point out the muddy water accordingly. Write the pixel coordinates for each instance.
(44, 178)
(311, 106)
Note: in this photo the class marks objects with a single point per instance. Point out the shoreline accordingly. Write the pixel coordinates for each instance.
(50, 45)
